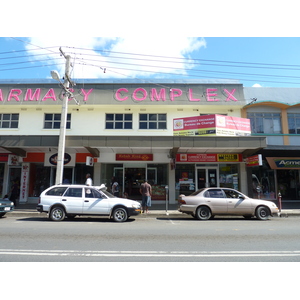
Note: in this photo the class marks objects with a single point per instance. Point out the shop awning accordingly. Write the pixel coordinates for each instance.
(247, 145)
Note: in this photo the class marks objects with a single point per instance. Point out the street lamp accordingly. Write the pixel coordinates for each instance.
(63, 122)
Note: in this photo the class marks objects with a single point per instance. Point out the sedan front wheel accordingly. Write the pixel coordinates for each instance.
(203, 213)
(262, 213)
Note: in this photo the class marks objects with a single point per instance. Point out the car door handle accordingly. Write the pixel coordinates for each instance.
(64, 200)
(86, 201)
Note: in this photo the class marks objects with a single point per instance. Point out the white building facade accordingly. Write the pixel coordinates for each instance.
(123, 129)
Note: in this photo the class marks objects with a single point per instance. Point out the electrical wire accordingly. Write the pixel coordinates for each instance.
(85, 59)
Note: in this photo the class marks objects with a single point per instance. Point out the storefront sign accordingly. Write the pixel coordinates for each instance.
(135, 157)
(140, 94)
(197, 157)
(255, 160)
(89, 161)
(3, 157)
(284, 162)
(24, 182)
(211, 125)
(13, 160)
(122, 93)
(51, 160)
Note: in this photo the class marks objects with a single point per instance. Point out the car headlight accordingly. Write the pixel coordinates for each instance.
(136, 205)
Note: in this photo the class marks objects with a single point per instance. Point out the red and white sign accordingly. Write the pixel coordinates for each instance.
(255, 160)
(24, 182)
(203, 157)
(211, 125)
(135, 157)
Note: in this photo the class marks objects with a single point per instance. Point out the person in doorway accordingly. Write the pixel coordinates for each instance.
(89, 180)
(115, 188)
(146, 191)
(6, 197)
(15, 192)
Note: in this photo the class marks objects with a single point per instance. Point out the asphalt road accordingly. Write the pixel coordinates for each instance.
(151, 239)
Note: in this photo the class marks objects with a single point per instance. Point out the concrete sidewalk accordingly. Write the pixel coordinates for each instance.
(155, 210)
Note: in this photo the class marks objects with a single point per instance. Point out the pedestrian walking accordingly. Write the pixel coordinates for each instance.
(115, 188)
(146, 191)
(89, 180)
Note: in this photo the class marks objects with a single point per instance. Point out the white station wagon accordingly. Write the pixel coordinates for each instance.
(61, 201)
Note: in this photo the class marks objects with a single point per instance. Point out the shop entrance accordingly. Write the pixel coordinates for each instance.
(207, 177)
(134, 177)
(68, 175)
(14, 180)
(288, 184)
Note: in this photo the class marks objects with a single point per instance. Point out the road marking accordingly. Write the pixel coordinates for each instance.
(150, 253)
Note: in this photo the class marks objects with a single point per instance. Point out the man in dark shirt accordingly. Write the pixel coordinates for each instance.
(146, 191)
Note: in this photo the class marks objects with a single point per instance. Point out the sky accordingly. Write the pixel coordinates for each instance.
(261, 61)
(218, 41)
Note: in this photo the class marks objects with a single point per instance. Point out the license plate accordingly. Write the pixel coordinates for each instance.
(6, 208)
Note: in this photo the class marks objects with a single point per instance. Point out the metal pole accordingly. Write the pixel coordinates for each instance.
(167, 198)
(63, 124)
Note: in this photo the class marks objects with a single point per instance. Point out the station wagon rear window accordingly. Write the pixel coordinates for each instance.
(57, 191)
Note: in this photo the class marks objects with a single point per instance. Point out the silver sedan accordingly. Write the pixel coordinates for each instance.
(208, 202)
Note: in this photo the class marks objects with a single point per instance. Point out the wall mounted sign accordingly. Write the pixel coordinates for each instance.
(103, 94)
(135, 157)
(211, 125)
(24, 182)
(197, 157)
(13, 160)
(51, 160)
(255, 160)
(284, 162)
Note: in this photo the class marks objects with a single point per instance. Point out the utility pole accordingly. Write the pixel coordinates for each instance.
(63, 122)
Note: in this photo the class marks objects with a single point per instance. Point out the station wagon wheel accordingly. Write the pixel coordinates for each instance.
(120, 214)
(57, 213)
(203, 213)
(262, 213)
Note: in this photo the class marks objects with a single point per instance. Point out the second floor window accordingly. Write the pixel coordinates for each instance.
(118, 121)
(153, 121)
(52, 121)
(294, 123)
(9, 120)
(265, 122)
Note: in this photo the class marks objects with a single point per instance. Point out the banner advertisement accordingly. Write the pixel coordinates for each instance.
(255, 160)
(24, 183)
(211, 125)
(197, 157)
(284, 162)
(51, 160)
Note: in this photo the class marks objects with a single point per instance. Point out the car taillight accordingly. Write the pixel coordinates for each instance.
(181, 201)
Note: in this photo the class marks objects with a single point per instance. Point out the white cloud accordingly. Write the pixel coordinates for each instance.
(158, 54)
(256, 85)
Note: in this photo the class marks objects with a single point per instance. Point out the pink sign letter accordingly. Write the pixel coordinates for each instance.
(118, 94)
(230, 95)
(143, 91)
(157, 97)
(191, 96)
(175, 93)
(209, 95)
(14, 93)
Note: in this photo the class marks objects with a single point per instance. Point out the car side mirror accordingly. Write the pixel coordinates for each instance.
(241, 197)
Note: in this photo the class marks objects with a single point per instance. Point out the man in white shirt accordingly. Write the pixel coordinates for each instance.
(89, 180)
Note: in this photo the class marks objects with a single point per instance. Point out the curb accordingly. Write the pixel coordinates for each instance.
(153, 213)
